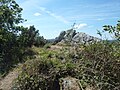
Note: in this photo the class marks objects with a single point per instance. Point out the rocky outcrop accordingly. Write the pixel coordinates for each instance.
(71, 36)
(60, 37)
(84, 38)
(69, 83)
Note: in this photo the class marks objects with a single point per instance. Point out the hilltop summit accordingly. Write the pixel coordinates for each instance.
(71, 36)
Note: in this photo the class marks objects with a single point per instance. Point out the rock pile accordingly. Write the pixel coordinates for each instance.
(71, 36)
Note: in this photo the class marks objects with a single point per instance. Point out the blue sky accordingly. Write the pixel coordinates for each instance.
(51, 17)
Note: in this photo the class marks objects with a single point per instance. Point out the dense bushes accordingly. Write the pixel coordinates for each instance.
(97, 65)
(102, 65)
(43, 74)
(30, 36)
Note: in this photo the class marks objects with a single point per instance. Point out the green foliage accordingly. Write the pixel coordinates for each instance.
(47, 46)
(27, 36)
(114, 30)
(10, 15)
(43, 74)
(96, 64)
(39, 41)
(14, 40)
(102, 64)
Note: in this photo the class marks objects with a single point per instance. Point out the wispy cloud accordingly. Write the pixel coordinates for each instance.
(80, 26)
(100, 19)
(89, 11)
(27, 4)
(58, 17)
(37, 14)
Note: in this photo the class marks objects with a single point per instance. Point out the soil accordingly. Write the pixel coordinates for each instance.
(6, 82)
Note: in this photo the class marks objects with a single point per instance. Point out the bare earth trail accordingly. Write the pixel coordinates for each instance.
(6, 82)
(55, 47)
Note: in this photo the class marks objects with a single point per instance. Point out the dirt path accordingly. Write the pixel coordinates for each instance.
(56, 47)
(6, 83)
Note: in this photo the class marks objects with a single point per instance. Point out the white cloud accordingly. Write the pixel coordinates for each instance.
(58, 17)
(31, 5)
(80, 26)
(37, 14)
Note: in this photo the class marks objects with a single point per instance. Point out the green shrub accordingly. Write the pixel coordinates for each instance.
(101, 65)
(96, 65)
(47, 46)
(43, 74)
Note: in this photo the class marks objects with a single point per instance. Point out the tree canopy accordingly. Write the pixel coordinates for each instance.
(14, 39)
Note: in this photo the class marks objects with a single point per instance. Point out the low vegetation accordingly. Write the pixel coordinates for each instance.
(96, 65)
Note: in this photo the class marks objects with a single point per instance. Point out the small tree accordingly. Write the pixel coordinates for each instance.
(27, 36)
(40, 41)
(10, 16)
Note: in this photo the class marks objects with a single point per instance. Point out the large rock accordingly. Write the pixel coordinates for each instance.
(60, 37)
(84, 38)
(78, 38)
(69, 83)
(71, 37)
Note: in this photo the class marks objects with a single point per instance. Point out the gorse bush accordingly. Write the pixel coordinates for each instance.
(96, 64)
(101, 63)
(43, 74)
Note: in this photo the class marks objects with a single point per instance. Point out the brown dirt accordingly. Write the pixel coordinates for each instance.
(6, 82)
(55, 47)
